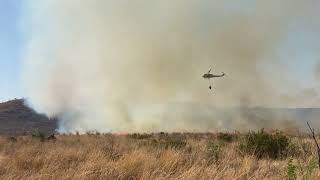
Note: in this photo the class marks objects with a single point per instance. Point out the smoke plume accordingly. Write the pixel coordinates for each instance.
(137, 65)
(317, 71)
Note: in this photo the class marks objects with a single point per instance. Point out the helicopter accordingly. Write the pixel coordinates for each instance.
(208, 76)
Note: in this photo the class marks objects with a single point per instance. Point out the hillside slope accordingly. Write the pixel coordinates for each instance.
(16, 119)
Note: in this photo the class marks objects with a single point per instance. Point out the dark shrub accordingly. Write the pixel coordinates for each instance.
(51, 137)
(264, 145)
(163, 135)
(168, 142)
(226, 137)
(175, 143)
(36, 134)
(140, 136)
(12, 139)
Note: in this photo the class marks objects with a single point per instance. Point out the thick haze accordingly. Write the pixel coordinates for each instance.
(137, 65)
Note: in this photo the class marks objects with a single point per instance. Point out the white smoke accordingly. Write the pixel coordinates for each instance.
(137, 65)
(317, 71)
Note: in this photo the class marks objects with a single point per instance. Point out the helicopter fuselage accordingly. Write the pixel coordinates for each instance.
(209, 76)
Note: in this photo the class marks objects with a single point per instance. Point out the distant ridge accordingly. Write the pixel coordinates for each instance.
(18, 119)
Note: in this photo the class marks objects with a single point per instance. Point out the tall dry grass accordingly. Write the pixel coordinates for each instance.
(147, 156)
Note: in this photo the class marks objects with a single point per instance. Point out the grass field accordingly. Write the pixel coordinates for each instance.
(159, 156)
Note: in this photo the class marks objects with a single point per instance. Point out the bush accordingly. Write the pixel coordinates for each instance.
(264, 145)
(291, 170)
(168, 142)
(175, 143)
(12, 139)
(213, 151)
(311, 166)
(36, 134)
(226, 137)
(140, 136)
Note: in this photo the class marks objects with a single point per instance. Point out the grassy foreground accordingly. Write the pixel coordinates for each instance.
(159, 156)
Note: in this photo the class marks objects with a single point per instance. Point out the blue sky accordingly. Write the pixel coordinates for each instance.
(10, 50)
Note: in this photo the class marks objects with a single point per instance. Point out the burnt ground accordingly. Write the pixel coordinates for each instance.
(18, 119)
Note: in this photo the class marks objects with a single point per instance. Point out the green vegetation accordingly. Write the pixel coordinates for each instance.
(36, 134)
(213, 151)
(140, 136)
(264, 145)
(226, 137)
(291, 170)
(165, 142)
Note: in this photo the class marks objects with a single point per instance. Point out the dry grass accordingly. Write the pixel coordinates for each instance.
(156, 156)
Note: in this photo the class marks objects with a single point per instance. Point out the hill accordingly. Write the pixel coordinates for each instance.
(17, 119)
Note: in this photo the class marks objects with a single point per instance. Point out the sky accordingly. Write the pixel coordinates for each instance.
(10, 50)
(300, 62)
